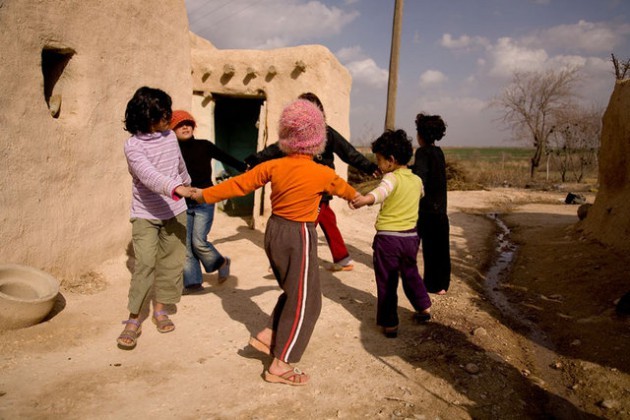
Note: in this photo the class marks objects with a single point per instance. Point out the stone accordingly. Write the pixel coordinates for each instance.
(471, 368)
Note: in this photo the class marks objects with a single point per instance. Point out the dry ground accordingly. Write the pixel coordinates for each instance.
(545, 342)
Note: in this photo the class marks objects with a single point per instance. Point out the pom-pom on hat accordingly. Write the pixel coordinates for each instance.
(179, 116)
(302, 129)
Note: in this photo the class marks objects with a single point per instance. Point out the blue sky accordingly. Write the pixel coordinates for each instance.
(455, 55)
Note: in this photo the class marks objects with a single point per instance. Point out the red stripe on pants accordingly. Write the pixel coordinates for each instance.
(298, 312)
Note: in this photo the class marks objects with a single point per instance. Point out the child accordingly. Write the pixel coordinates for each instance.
(433, 226)
(198, 155)
(297, 185)
(335, 145)
(158, 215)
(396, 241)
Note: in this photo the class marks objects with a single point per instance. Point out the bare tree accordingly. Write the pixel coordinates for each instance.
(621, 68)
(575, 140)
(529, 105)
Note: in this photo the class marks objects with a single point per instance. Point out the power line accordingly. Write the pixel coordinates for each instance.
(210, 12)
(235, 13)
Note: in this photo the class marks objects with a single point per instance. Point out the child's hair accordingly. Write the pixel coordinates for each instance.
(311, 97)
(394, 144)
(302, 129)
(430, 127)
(147, 107)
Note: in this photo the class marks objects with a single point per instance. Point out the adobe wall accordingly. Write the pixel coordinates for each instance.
(608, 219)
(65, 186)
(278, 75)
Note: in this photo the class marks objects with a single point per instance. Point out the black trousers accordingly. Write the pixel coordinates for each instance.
(434, 230)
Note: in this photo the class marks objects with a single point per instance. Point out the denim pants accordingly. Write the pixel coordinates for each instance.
(198, 249)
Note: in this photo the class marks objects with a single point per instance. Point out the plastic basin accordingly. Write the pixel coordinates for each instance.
(27, 295)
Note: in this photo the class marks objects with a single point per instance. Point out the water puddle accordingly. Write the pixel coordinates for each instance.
(543, 354)
(499, 273)
(501, 267)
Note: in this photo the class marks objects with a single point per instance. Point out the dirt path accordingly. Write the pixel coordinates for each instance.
(566, 357)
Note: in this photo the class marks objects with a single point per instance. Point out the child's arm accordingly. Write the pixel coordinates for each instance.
(350, 155)
(378, 194)
(362, 200)
(226, 158)
(341, 188)
(149, 176)
(238, 186)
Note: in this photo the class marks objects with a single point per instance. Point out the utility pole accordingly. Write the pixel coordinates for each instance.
(392, 85)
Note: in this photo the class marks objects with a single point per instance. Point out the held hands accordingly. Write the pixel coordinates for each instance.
(198, 196)
(193, 193)
(361, 200)
(185, 191)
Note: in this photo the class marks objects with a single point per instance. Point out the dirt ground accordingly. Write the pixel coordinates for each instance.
(543, 342)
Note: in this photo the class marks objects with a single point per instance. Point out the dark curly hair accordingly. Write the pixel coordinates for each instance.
(394, 144)
(430, 127)
(147, 107)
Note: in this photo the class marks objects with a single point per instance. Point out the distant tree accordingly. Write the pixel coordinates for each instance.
(530, 103)
(575, 140)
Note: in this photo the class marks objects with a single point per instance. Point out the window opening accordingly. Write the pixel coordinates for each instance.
(54, 62)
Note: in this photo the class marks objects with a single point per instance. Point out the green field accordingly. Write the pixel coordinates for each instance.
(488, 154)
(481, 167)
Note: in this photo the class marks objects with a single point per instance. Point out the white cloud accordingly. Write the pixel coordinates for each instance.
(582, 37)
(267, 24)
(508, 56)
(363, 69)
(431, 78)
(368, 72)
(463, 42)
(350, 54)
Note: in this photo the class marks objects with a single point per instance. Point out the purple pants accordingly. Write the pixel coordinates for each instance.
(395, 255)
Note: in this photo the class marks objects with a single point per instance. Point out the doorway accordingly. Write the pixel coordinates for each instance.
(237, 132)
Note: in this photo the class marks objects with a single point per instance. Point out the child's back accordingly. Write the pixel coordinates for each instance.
(396, 241)
(399, 210)
(297, 184)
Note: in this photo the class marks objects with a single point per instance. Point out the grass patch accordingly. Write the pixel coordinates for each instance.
(476, 168)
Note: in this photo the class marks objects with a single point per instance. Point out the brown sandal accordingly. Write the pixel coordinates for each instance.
(293, 377)
(128, 339)
(163, 325)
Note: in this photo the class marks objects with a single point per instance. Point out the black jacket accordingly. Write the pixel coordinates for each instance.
(336, 144)
(198, 155)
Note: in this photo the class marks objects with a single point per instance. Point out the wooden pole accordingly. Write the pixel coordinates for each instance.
(392, 86)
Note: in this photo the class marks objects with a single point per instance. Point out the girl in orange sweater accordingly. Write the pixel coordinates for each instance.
(297, 185)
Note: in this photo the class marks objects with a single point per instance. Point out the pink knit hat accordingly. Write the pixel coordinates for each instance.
(302, 129)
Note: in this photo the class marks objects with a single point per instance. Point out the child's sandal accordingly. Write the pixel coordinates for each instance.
(128, 339)
(164, 325)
